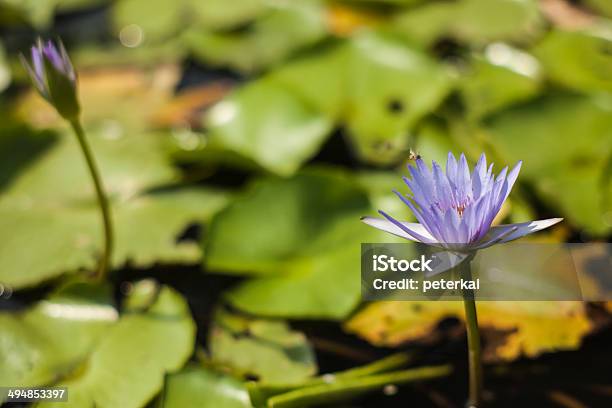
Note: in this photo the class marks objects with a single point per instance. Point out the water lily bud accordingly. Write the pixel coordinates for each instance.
(54, 77)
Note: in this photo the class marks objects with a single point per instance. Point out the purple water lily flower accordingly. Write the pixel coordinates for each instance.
(54, 76)
(455, 209)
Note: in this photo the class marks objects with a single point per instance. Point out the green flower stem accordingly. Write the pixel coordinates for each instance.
(473, 338)
(102, 199)
(347, 388)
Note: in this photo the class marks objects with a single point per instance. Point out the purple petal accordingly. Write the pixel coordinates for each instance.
(527, 228)
(37, 62)
(464, 184)
(427, 220)
(414, 234)
(444, 193)
(392, 228)
(478, 176)
(451, 167)
(67, 63)
(512, 178)
(417, 191)
(38, 83)
(495, 237)
(54, 57)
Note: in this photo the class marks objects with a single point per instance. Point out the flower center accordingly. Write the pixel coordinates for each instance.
(460, 208)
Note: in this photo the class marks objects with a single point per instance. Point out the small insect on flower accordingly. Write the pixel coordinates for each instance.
(455, 209)
(412, 155)
(54, 77)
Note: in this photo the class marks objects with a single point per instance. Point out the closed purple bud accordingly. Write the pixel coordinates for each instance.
(54, 77)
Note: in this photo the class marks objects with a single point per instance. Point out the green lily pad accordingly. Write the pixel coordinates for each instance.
(304, 235)
(127, 367)
(377, 85)
(390, 86)
(157, 19)
(564, 142)
(267, 40)
(40, 12)
(577, 60)
(474, 21)
(267, 350)
(199, 387)
(51, 222)
(216, 15)
(505, 77)
(264, 123)
(50, 339)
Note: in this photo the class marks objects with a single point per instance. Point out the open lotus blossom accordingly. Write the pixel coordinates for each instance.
(53, 76)
(455, 209)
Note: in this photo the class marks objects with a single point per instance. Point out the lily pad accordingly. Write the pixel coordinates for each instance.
(40, 12)
(264, 123)
(157, 19)
(530, 328)
(304, 235)
(267, 40)
(50, 339)
(473, 21)
(504, 77)
(216, 15)
(390, 86)
(267, 350)
(127, 367)
(577, 60)
(280, 120)
(200, 387)
(569, 173)
(51, 222)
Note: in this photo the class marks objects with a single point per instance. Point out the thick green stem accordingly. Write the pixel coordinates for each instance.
(473, 338)
(101, 196)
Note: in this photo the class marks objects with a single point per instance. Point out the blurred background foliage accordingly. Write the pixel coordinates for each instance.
(240, 142)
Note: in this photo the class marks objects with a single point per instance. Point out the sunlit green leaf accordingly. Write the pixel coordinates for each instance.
(505, 77)
(267, 40)
(577, 60)
(203, 388)
(51, 223)
(156, 19)
(127, 366)
(564, 142)
(376, 85)
(265, 123)
(475, 21)
(304, 235)
(40, 12)
(389, 88)
(52, 338)
(267, 350)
